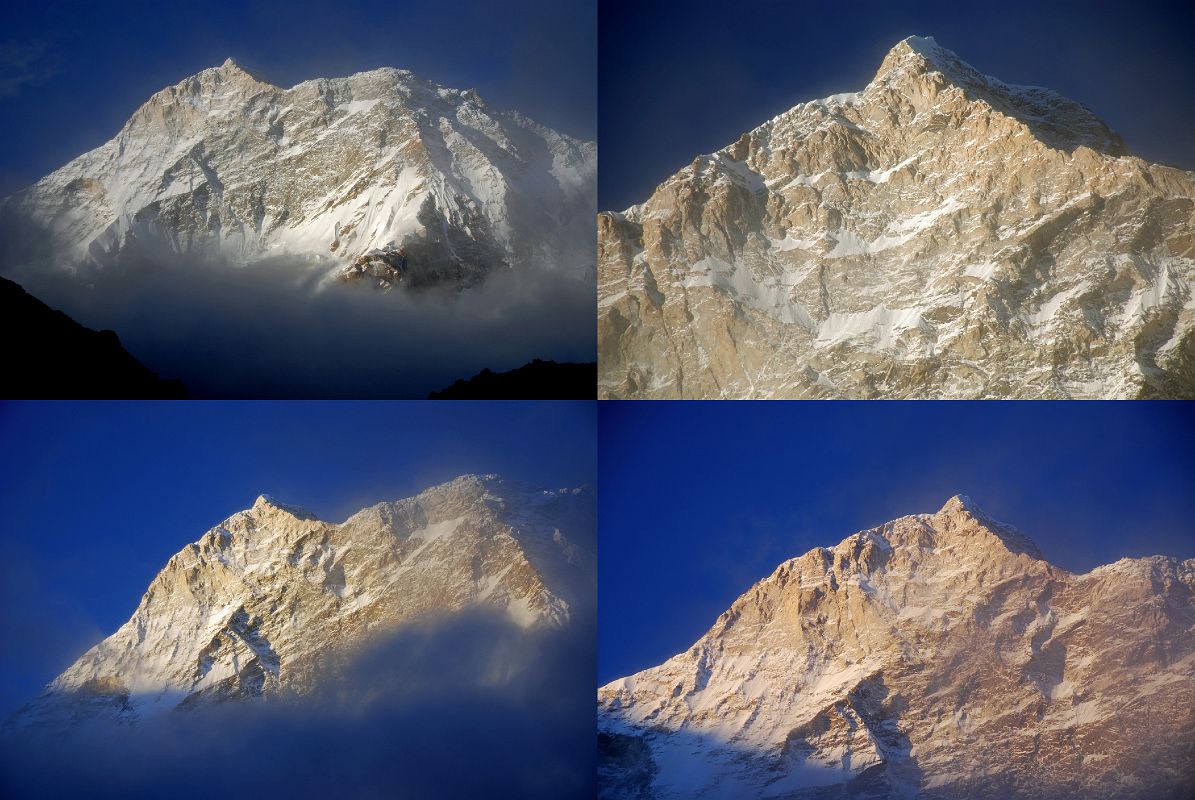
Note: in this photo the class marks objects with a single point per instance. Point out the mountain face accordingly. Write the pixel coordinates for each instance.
(272, 595)
(940, 234)
(379, 177)
(935, 656)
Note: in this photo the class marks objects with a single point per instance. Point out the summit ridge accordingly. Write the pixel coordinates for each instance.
(935, 656)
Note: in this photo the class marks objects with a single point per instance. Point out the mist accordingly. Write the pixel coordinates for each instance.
(280, 328)
(468, 705)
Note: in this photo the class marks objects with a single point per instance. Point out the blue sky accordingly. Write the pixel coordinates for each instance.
(698, 500)
(95, 497)
(687, 77)
(72, 72)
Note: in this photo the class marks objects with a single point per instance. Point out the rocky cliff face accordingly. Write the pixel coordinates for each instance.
(938, 234)
(935, 656)
(380, 176)
(272, 596)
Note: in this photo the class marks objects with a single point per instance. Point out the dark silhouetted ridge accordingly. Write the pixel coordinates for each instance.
(539, 380)
(47, 355)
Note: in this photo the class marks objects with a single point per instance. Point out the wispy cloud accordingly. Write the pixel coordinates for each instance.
(395, 718)
(24, 64)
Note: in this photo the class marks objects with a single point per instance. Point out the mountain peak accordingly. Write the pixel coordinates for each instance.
(917, 54)
(921, 44)
(960, 502)
(914, 58)
(919, 67)
(1010, 537)
(232, 69)
(267, 502)
(927, 48)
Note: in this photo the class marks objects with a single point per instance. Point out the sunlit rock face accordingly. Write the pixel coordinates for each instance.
(935, 656)
(940, 234)
(268, 600)
(227, 167)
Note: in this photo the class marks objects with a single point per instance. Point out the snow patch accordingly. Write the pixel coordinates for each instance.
(882, 325)
(358, 106)
(771, 297)
(789, 243)
(985, 271)
(437, 530)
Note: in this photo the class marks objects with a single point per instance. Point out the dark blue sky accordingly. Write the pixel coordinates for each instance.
(71, 73)
(682, 78)
(95, 497)
(698, 500)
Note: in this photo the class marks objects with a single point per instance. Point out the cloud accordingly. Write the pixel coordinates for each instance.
(23, 64)
(270, 329)
(464, 706)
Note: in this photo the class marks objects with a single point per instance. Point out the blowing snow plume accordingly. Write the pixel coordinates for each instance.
(463, 706)
(308, 658)
(216, 232)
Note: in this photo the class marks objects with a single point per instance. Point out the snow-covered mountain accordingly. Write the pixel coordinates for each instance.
(935, 656)
(938, 234)
(380, 176)
(272, 595)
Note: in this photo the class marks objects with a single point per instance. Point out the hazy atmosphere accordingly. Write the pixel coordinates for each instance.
(383, 720)
(273, 331)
